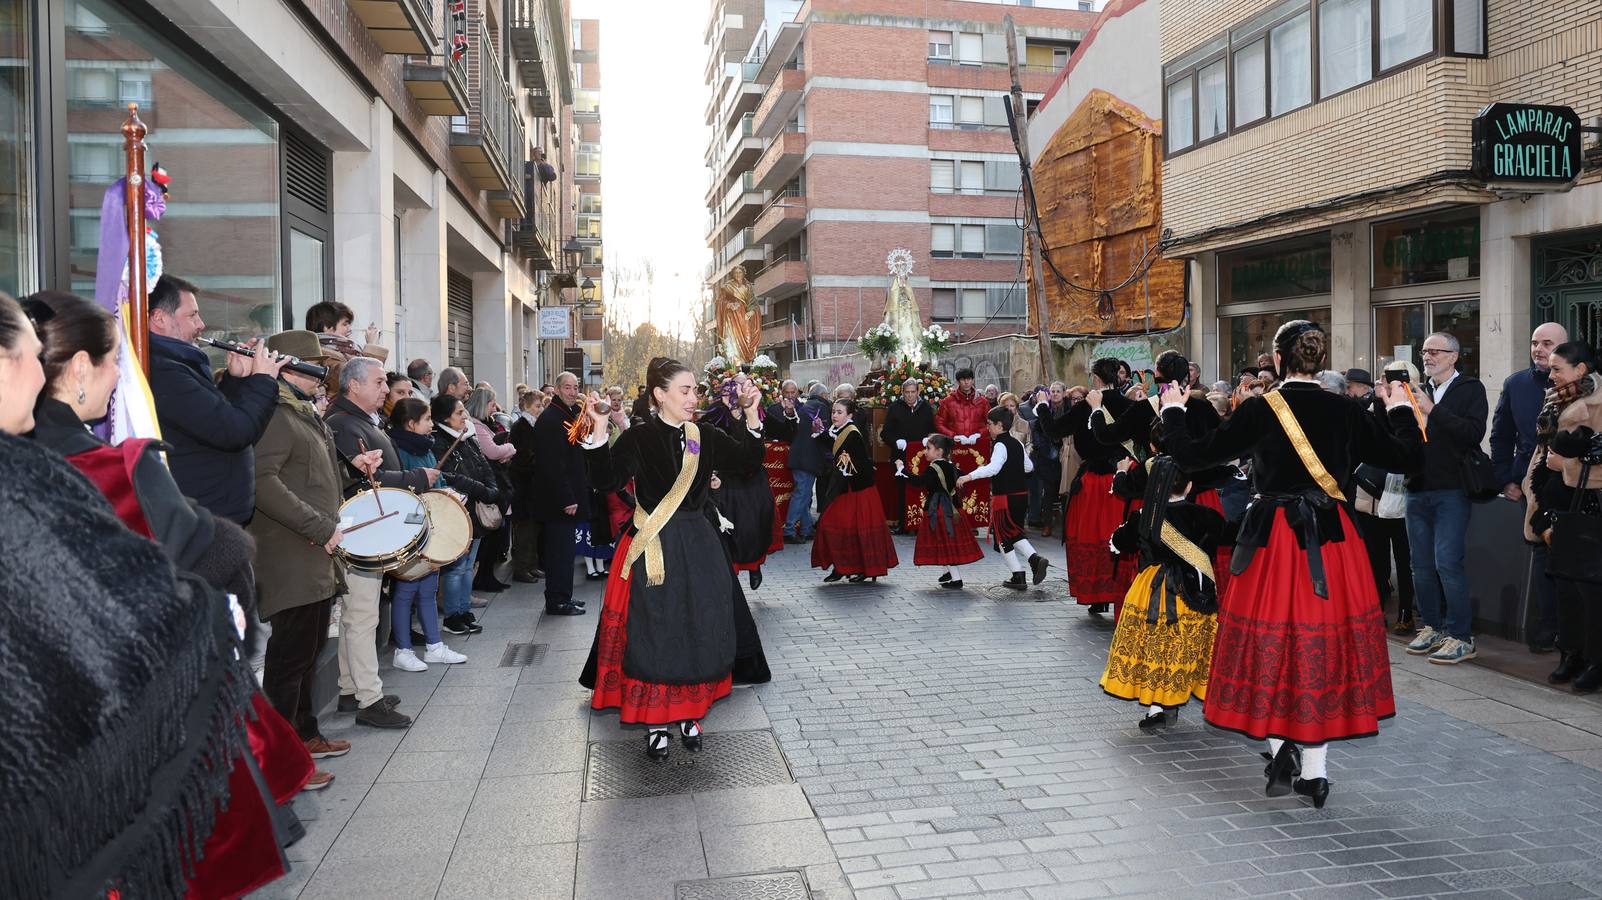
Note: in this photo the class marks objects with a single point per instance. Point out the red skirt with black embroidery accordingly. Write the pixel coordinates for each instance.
(1290, 664)
(945, 543)
(1007, 513)
(1095, 573)
(852, 537)
(636, 701)
(1209, 498)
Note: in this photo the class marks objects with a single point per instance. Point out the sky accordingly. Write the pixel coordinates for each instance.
(653, 143)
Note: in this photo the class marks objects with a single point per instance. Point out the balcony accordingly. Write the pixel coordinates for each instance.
(779, 103)
(541, 58)
(401, 26)
(488, 142)
(784, 277)
(535, 234)
(1035, 80)
(781, 219)
(437, 82)
(742, 203)
(783, 158)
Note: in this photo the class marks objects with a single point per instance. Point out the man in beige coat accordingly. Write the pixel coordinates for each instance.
(296, 527)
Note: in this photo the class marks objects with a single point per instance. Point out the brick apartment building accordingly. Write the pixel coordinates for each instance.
(843, 129)
(320, 150)
(1319, 163)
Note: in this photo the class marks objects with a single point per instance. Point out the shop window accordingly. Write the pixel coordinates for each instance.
(18, 253)
(1441, 246)
(1298, 267)
(1399, 331)
(1243, 338)
(223, 228)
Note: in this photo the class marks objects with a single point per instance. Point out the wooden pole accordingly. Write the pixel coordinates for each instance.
(133, 144)
(1031, 214)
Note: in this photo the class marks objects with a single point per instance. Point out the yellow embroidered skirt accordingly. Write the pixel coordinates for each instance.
(1162, 663)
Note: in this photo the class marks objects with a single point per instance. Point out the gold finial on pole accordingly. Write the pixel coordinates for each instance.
(133, 143)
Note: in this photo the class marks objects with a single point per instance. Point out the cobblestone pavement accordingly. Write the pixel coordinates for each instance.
(947, 744)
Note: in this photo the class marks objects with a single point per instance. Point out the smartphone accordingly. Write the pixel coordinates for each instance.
(1401, 375)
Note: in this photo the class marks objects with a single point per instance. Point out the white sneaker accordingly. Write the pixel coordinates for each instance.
(439, 653)
(407, 661)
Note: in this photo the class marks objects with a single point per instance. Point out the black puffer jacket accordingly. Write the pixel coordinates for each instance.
(466, 470)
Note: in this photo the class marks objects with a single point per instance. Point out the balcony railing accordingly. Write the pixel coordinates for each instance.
(489, 140)
(940, 125)
(436, 81)
(529, 42)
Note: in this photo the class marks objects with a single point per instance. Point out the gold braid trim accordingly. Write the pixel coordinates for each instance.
(840, 439)
(1186, 549)
(648, 539)
(1304, 448)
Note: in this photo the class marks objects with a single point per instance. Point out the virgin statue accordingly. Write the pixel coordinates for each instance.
(739, 319)
(901, 311)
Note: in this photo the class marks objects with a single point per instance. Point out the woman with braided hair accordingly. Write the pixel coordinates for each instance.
(1300, 657)
(666, 644)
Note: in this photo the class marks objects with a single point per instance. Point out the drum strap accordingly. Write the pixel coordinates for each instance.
(648, 539)
(1304, 447)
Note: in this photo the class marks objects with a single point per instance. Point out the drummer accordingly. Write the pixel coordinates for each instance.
(296, 527)
(353, 419)
(411, 429)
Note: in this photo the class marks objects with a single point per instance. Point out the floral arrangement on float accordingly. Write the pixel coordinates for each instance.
(935, 340)
(764, 372)
(885, 384)
(879, 343)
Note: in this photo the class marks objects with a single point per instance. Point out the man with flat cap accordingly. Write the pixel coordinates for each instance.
(1359, 384)
(299, 486)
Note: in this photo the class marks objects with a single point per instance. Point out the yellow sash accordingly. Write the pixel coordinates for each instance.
(940, 476)
(840, 439)
(648, 536)
(1304, 449)
(1186, 549)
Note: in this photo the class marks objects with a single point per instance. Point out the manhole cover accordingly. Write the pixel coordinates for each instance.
(620, 770)
(773, 886)
(521, 655)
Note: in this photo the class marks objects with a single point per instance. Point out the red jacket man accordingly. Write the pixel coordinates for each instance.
(962, 414)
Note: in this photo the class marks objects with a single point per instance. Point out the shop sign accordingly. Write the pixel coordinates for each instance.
(555, 324)
(1436, 247)
(1294, 268)
(1520, 143)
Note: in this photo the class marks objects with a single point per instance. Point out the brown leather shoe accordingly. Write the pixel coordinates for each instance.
(319, 780)
(322, 748)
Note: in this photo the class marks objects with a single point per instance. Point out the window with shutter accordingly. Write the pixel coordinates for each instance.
(971, 110)
(973, 240)
(973, 178)
(973, 305)
(945, 305)
(1003, 176)
(942, 240)
(459, 322)
(1003, 240)
(940, 46)
(970, 48)
(941, 175)
(940, 110)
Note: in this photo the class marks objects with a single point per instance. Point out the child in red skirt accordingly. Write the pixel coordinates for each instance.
(945, 538)
(1008, 471)
(851, 538)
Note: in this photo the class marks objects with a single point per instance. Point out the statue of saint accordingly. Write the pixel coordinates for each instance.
(739, 319)
(901, 311)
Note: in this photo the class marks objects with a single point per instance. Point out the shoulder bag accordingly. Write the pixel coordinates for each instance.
(1576, 540)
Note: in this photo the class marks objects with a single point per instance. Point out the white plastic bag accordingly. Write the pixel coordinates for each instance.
(1393, 503)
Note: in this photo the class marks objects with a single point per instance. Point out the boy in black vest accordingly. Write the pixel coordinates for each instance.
(1009, 498)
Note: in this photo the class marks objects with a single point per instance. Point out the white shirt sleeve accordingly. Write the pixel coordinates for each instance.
(1029, 464)
(998, 458)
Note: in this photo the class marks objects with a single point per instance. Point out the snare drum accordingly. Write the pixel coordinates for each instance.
(382, 541)
(450, 535)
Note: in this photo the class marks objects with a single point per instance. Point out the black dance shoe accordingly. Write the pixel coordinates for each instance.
(1569, 666)
(690, 734)
(1281, 769)
(657, 741)
(1037, 567)
(856, 578)
(1099, 609)
(1162, 720)
(945, 577)
(950, 585)
(1016, 582)
(754, 577)
(1588, 681)
(564, 609)
(833, 576)
(1316, 788)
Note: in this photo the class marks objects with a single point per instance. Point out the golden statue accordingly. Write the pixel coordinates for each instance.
(901, 311)
(739, 319)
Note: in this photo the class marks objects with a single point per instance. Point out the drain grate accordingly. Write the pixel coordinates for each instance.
(620, 770)
(518, 656)
(771, 886)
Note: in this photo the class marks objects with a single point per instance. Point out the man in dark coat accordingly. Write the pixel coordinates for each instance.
(796, 422)
(210, 426)
(1512, 445)
(560, 496)
(906, 422)
(525, 474)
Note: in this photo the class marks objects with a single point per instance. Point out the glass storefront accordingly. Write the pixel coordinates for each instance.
(1399, 331)
(1299, 267)
(221, 228)
(1242, 338)
(1427, 249)
(17, 241)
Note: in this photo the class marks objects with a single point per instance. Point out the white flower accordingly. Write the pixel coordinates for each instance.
(764, 361)
(716, 363)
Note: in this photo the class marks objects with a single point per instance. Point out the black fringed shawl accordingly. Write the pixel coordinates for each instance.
(125, 699)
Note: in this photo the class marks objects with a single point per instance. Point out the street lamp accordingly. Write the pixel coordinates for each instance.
(587, 291)
(572, 250)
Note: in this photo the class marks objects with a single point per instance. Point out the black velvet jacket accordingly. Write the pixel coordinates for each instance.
(856, 444)
(651, 455)
(1205, 528)
(1097, 457)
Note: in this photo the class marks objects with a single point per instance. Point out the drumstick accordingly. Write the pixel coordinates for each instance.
(378, 498)
(449, 450)
(371, 521)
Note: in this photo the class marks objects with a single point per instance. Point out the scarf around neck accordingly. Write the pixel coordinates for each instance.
(1558, 398)
(412, 444)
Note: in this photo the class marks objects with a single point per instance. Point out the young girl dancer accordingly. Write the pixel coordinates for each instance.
(944, 538)
(851, 538)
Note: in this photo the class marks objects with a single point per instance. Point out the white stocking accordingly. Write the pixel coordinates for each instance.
(1013, 563)
(1156, 710)
(1314, 763)
(1273, 746)
(1024, 548)
(955, 572)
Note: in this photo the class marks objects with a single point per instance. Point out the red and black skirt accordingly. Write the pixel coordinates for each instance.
(945, 541)
(1007, 512)
(1290, 664)
(1095, 573)
(1210, 499)
(852, 537)
(637, 701)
